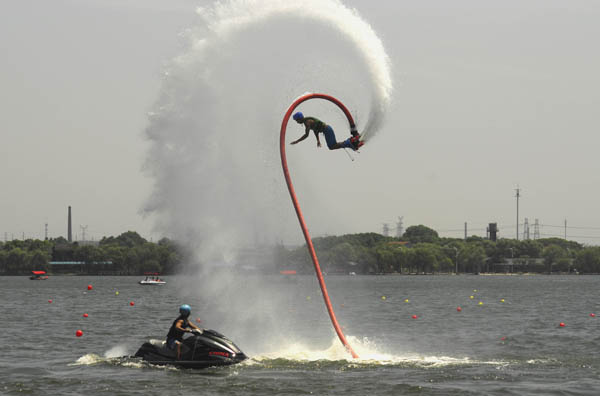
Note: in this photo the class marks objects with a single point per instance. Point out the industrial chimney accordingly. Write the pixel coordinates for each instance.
(69, 237)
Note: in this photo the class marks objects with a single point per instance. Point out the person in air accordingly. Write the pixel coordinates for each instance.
(318, 126)
(180, 326)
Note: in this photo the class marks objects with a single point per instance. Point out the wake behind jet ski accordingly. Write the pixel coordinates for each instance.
(204, 348)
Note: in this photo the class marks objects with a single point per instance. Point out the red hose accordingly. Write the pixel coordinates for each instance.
(288, 180)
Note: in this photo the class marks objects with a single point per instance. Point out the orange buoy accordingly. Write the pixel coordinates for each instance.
(85, 315)
(79, 333)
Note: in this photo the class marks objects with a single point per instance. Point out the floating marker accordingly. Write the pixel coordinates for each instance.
(406, 300)
(116, 293)
(383, 297)
(458, 309)
(90, 287)
(471, 297)
(562, 324)
(503, 338)
(414, 316)
(593, 315)
(132, 303)
(308, 297)
(85, 315)
(198, 320)
(502, 300)
(49, 301)
(480, 303)
(79, 333)
(475, 291)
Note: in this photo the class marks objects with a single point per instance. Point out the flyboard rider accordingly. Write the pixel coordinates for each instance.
(318, 126)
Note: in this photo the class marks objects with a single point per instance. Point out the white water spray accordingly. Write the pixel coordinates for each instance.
(214, 129)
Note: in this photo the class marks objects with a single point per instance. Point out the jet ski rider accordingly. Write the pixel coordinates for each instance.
(180, 326)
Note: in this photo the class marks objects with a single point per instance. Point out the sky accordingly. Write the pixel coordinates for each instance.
(488, 97)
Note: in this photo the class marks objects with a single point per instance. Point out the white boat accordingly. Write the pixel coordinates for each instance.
(152, 281)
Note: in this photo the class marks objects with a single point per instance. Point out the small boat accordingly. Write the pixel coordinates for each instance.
(152, 280)
(38, 275)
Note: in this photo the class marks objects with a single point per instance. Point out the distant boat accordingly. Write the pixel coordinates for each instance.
(38, 275)
(352, 273)
(152, 280)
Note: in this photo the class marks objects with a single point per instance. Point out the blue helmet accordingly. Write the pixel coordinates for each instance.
(298, 116)
(185, 310)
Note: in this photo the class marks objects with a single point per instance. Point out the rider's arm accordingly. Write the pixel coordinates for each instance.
(303, 136)
(318, 141)
(178, 325)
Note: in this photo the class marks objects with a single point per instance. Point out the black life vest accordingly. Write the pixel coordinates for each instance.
(174, 332)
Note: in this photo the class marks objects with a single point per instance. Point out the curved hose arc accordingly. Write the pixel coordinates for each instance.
(288, 180)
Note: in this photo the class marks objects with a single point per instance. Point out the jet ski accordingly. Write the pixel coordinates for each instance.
(198, 350)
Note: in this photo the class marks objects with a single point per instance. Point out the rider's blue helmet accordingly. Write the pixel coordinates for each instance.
(185, 310)
(298, 116)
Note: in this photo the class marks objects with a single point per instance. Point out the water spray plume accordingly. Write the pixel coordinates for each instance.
(213, 156)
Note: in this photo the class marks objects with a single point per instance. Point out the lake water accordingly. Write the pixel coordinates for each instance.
(509, 347)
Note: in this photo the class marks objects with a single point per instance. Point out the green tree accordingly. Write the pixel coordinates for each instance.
(420, 234)
(17, 260)
(588, 260)
(553, 256)
(472, 257)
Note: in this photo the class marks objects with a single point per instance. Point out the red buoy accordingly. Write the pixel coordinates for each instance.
(414, 316)
(79, 333)
(90, 287)
(132, 303)
(562, 324)
(49, 301)
(593, 315)
(458, 309)
(85, 315)
(503, 338)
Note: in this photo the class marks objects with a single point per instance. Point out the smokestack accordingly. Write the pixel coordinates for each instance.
(69, 238)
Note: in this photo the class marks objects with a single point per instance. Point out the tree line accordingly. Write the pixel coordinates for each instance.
(421, 250)
(126, 254)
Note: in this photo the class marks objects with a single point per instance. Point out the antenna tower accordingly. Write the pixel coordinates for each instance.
(536, 229)
(399, 227)
(386, 229)
(83, 229)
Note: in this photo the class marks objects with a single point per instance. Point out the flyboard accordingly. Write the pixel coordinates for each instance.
(288, 180)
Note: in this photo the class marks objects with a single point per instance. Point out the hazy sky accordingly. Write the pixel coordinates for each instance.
(488, 96)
